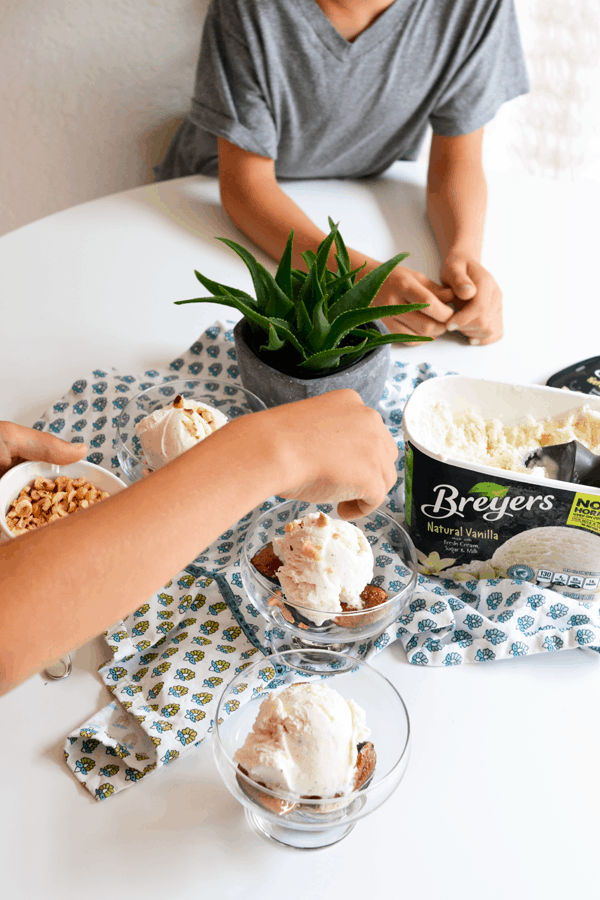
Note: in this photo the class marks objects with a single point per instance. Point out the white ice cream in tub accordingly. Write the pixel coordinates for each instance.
(471, 520)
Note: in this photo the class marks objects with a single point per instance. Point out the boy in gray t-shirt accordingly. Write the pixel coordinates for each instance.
(342, 88)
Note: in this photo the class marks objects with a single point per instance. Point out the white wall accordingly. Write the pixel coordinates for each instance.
(89, 90)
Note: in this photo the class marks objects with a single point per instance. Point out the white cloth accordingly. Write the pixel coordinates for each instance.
(172, 655)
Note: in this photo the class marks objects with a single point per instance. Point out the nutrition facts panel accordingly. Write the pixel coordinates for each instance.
(546, 577)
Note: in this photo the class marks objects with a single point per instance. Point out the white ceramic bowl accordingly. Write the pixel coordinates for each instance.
(13, 481)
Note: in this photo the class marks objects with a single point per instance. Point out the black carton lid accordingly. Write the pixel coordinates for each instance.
(583, 376)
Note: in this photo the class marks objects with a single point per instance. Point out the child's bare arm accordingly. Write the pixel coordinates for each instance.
(254, 201)
(81, 574)
(456, 203)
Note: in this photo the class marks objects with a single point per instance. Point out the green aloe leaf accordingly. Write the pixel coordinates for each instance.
(395, 338)
(329, 359)
(271, 300)
(340, 284)
(298, 279)
(274, 342)
(279, 304)
(262, 296)
(323, 253)
(362, 331)
(320, 325)
(283, 276)
(220, 290)
(379, 338)
(349, 320)
(361, 295)
(342, 270)
(309, 257)
(235, 303)
(342, 256)
(311, 291)
(283, 330)
(303, 322)
(282, 327)
(223, 299)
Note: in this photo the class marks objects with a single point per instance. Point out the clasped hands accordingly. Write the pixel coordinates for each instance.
(468, 301)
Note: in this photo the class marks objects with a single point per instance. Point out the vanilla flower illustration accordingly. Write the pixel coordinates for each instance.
(432, 564)
(479, 573)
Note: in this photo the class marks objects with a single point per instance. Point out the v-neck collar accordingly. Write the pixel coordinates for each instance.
(381, 28)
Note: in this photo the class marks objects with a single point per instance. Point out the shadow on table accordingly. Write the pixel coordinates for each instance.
(193, 205)
(398, 209)
(403, 207)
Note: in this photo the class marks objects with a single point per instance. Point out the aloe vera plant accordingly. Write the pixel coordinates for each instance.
(314, 320)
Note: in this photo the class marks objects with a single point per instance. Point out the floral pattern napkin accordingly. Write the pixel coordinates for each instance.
(170, 658)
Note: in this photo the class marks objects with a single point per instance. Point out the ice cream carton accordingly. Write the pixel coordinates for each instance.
(471, 521)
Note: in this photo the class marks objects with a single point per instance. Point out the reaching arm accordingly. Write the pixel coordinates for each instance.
(456, 204)
(83, 573)
(255, 203)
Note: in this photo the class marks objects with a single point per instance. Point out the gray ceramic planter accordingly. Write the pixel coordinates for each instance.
(367, 376)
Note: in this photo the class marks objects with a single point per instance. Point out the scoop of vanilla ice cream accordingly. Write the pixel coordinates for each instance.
(553, 547)
(168, 432)
(325, 561)
(304, 741)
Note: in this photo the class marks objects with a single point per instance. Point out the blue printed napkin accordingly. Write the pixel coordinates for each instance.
(171, 657)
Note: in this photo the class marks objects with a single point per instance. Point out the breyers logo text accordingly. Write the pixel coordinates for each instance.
(448, 502)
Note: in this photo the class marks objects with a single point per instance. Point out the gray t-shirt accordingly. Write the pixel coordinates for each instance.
(276, 78)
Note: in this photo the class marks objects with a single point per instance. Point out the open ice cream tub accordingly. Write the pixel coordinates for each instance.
(470, 521)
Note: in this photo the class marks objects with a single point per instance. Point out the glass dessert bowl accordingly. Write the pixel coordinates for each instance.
(300, 625)
(230, 400)
(292, 743)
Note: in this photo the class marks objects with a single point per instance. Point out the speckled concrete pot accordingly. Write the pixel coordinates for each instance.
(367, 376)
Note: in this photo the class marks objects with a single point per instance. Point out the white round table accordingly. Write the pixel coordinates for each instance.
(500, 795)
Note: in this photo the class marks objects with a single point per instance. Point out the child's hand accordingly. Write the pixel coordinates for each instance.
(407, 286)
(477, 299)
(331, 448)
(18, 444)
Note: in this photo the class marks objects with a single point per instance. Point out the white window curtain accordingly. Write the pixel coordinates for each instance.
(554, 131)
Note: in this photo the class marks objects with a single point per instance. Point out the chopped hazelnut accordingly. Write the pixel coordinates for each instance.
(45, 501)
